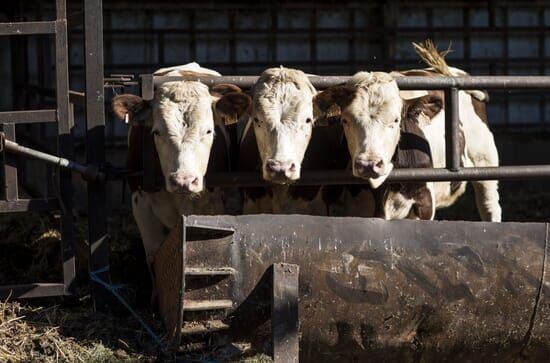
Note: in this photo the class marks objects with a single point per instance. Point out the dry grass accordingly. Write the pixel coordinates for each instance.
(41, 334)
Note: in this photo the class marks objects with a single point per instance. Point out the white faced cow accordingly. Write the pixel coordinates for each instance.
(371, 111)
(276, 140)
(187, 141)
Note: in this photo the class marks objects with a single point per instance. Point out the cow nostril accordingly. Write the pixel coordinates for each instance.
(292, 167)
(195, 181)
(379, 164)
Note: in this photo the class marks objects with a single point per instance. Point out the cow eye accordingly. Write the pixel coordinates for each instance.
(344, 121)
(155, 132)
(396, 120)
(208, 131)
(256, 120)
(308, 120)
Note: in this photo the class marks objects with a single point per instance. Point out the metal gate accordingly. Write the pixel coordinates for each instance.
(63, 116)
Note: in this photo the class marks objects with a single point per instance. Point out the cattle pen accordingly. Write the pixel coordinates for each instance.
(295, 287)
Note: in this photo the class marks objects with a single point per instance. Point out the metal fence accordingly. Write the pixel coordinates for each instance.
(453, 170)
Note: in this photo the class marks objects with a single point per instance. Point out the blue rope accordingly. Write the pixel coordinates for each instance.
(114, 290)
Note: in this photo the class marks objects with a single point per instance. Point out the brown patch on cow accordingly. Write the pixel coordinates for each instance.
(333, 100)
(430, 105)
(222, 89)
(231, 106)
(480, 109)
(423, 206)
(249, 160)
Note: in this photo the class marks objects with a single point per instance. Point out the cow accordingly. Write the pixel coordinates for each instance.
(276, 142)
(371, 108)
(187, 121)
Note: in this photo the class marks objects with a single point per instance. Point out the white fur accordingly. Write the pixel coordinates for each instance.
(182, 114)
(282, 102)
(480, 149)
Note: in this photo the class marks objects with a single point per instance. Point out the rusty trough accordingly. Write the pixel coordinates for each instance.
(369, 290)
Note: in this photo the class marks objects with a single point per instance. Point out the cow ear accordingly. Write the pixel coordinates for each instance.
(132, 109)
(231, 107)
(429, 105)
(330, 102)
(219, 90)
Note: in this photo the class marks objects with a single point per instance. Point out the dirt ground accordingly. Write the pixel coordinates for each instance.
(66, 330)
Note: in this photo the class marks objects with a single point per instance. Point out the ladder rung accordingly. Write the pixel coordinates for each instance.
(209, 271)
(199, 305)
(203, 327)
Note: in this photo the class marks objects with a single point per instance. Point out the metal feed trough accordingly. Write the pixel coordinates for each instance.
(368, 289)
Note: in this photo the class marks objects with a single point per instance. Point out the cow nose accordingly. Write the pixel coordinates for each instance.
(281, 170)
(369, 168)
(183, 183)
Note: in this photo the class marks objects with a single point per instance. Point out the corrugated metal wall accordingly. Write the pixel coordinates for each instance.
(323, 37)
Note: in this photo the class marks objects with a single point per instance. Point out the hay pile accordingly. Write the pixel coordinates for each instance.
(47, 334)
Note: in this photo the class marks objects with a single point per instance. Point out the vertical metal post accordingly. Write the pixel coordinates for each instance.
(95, 149)
(284, 313)
(147, 93)
(64, 143)
(9, 164)
(452, 129)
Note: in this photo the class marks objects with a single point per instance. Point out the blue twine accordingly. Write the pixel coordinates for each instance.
(114, 290)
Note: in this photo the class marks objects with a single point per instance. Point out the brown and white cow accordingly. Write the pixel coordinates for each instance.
(276, 142)
(187, 121)
(371, 110)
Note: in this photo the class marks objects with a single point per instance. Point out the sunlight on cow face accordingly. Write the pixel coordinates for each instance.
(372, 126)
(183, 129)
(283, 121)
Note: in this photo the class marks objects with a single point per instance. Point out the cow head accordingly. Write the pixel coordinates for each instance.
(282, 116)
(182, 117)
(370, 110)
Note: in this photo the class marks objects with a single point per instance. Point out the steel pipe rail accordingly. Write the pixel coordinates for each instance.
(453, 170)
(405, 83)
(341, 177)
(87, 172)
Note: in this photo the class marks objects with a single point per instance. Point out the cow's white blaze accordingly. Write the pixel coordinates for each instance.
(183, 125)
(372, 125)
(283, 121)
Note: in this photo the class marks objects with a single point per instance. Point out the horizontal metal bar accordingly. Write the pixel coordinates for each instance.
(28, 117)
(78, 98)
(86, 171)
(29, 205)
(32, 290)
(405, 83)
(28, 28)
(341, 177)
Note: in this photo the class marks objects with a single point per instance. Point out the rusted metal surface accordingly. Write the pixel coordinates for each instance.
(168, 267)
(284, 313)
(373, 290)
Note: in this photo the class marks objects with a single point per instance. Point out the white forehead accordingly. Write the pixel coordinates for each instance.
(283, 90)
(188, 100)
(376, 93)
